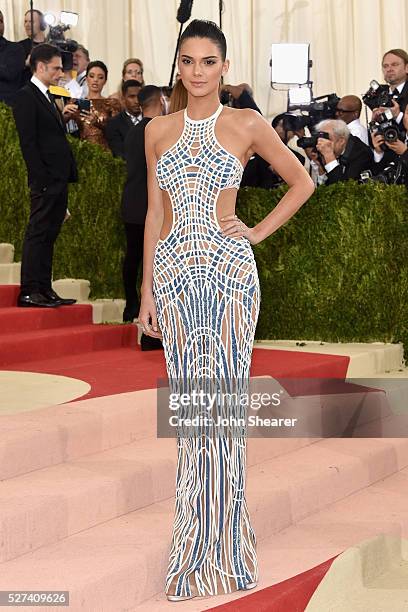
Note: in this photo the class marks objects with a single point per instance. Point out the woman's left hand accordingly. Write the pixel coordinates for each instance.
(233, 227)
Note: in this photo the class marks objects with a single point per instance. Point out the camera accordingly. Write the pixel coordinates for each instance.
(386, 126)
(322, 107)
(393, 174)
(65, 45)
(311, 141)
(378, 95)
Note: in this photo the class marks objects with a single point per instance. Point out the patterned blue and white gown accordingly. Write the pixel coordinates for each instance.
(206, 291)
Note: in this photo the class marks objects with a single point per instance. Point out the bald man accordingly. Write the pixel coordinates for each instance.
(348, 109)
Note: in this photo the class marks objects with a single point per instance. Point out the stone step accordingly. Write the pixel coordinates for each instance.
(132, 549)
(6, 253)
(10, 273)
(378, 511)
(53, 435)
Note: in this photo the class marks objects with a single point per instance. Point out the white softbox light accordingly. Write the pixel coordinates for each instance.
(290, 63)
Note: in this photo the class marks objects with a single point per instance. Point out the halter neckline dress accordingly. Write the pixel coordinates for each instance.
(206, 291)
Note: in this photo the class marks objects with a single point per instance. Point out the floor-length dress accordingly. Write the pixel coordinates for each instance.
(206, 290)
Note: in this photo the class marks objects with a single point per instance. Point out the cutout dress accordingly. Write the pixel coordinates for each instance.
(206, 291)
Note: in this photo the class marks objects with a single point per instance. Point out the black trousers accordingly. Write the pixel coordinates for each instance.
(133, 259)
(47, 214)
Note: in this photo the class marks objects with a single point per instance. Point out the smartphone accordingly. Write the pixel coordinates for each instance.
(83, 105)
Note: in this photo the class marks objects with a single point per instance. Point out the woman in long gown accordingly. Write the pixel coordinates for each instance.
(200, 295)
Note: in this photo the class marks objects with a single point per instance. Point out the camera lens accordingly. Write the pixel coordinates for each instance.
(391, 135)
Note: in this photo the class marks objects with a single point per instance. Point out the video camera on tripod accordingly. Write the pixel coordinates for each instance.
(56, 36)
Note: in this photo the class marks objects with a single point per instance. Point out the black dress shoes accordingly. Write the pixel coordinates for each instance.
(35, 300)
(54, 298)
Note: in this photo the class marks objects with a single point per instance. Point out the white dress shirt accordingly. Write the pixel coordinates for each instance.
(43, 88)
(357, 129)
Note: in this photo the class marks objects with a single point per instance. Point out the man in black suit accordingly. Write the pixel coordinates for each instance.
(344, 156)
(12, 60)
(395, 70)
(118, 127)
(51, 166)
(134, 202)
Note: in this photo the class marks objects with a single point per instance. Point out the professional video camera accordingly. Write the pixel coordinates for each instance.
(385, 125)
(322, 107)
(393, 174)
(378, 95)
(311, 141)
(56, 35)
(66, 46)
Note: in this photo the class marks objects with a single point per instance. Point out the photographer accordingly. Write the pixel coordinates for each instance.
(238, 96)
(11, 66)
(38, 30)
(348, 109)
(396, 151)
(344, 156)
(395, 70)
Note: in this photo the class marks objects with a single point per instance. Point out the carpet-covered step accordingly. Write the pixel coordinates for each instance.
(132, 550)
(286, 558)
(48, 505)
(9, 295)
(76, 339)
(49, 436)
(22, 320)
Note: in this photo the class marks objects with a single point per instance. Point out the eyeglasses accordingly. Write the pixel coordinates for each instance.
(344, 110)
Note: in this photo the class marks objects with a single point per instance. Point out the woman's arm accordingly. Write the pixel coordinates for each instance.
(153, 224)
(267, 144)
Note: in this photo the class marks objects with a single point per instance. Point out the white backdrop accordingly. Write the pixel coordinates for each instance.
(347, 37)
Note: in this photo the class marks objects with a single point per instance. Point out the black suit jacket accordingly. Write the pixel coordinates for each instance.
(12, 61)
(134, 199)
(116, 130)
(403, 97)
(43, 141)
(356, 158)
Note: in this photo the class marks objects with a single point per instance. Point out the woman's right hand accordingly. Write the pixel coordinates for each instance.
(70, 109)
(148, 315)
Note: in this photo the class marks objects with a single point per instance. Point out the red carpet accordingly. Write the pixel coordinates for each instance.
(64, 341)
(291, 595)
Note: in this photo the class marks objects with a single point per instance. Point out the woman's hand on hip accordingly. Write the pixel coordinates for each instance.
(233, 227)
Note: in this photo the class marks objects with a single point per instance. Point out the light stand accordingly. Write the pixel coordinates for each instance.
(32, 22)
(183, 15)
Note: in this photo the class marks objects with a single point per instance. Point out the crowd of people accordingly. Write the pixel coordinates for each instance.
(347, 149)
(340, 147)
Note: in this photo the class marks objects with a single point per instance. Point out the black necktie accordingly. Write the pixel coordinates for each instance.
(54, 107)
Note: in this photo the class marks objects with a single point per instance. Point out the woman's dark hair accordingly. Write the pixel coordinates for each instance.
(201, 28)
(43, 53)
(97, 64)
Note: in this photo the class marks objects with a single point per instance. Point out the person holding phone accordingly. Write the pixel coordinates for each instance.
(92, 113)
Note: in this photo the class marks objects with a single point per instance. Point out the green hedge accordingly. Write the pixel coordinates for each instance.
(338, 271)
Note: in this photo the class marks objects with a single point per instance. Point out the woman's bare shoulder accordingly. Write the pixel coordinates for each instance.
(247, 116)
